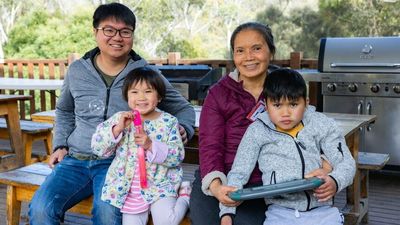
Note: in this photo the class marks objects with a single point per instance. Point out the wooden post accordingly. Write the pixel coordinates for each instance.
(173, 58)
(72, 57)
(314, 88)
(295, 60)
(13, 206)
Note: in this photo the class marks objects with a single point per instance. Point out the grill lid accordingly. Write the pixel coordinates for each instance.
(360, 54)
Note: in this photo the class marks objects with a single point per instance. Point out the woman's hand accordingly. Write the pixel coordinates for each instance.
(326, 165)
(316, 173)
(221, 192)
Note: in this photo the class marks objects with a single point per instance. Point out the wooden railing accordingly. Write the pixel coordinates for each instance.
(56, 69)
(35, 69)
(296, 61)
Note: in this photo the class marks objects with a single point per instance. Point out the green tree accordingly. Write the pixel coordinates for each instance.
(42, 34)
(302, 28)
(283, 30)
(360, 18)
(197, 28)
(308, 22)
(185, 47)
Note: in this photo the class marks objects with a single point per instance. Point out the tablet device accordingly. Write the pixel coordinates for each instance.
(272, 190)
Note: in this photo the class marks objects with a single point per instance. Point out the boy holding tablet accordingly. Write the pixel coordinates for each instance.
(287, 141)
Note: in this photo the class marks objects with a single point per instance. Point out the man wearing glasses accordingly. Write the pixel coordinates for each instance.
(92, 93)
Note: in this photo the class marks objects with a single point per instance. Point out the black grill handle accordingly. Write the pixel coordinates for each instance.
(385, 65)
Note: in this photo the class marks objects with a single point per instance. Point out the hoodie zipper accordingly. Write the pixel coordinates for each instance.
(299, 145)
(108, 89)
(107, 101)
(108, 96)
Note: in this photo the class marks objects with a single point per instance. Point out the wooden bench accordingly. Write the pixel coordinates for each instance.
(367, 161)
(23, 182)
(44, 117)
(31, 131)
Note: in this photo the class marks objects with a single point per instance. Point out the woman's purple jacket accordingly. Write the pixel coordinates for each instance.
(223, 123)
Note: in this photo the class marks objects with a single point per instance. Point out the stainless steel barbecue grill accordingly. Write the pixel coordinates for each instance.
(362, 75)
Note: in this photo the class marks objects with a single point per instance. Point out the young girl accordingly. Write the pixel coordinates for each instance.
(143, 89)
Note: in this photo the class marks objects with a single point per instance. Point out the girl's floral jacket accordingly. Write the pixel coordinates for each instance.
(164, 173)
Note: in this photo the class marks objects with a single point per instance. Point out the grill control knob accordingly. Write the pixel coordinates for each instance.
(331, 87)
(375, 88)
(396, 89)
(353, 87)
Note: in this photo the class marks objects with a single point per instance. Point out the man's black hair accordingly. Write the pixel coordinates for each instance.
(114, 10)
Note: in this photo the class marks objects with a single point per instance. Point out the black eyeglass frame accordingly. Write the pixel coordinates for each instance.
(115, 31)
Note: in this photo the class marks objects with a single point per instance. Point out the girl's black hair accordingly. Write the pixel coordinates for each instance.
(144, 74)
(284, 83)
(264, 30)
(114, 10)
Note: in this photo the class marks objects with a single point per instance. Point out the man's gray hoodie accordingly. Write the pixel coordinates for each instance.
(86, 101)
(284, 158)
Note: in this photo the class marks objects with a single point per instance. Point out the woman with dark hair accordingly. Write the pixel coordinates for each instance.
(229, 108)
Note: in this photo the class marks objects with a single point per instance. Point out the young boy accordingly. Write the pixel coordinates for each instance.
(287, 140)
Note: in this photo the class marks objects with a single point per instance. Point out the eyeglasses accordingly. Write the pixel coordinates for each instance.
(111, 32)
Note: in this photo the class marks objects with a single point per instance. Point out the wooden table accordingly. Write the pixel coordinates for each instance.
(357, 204)
(9, 109)
(30, 84)
(351, 124)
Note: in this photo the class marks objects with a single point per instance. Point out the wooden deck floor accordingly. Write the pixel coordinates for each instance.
(384, 199)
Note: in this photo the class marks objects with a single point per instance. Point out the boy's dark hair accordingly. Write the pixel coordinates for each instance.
(264, 30)
(114, 10)
(144, 74)
(284, 83)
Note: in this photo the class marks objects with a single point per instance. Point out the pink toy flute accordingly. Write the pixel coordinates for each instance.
(137, 122)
